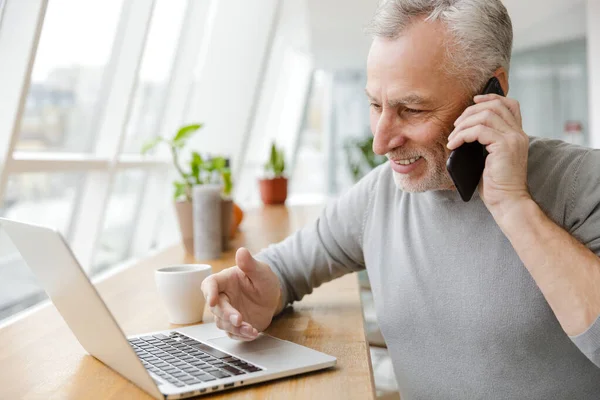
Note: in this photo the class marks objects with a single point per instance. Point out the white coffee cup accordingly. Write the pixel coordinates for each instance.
(179, 288)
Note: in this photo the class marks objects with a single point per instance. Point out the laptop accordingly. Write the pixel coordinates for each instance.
(171, 364)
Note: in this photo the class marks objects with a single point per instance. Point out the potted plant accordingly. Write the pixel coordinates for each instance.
(200, 171)
(273, 188)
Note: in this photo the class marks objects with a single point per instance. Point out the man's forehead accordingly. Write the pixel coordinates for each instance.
(409, 69)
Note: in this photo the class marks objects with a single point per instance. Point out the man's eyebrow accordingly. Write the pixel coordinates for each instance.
(411, 98)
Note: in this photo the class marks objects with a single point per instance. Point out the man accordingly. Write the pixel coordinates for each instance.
(495, 298)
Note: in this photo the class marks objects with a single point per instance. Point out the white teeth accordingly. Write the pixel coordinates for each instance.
(408, 162)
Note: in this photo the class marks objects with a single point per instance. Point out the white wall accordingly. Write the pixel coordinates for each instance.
(224, 87)
(337, 32)
(562, 26)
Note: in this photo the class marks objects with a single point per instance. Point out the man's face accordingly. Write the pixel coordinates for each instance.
(414, 103)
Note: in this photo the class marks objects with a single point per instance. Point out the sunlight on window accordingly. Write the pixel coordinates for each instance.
(42, 198)
(19, 288)
(67, 80)
(119, 220)
(151, 91)
(39, 198)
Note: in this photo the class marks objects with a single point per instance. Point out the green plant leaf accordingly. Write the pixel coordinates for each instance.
(150, 144)
(180, 189)
(227, 183)
(184, 134)
(276, 163)
(218, 163)
(273, 154)
(280, 164)
(196, 166)
(197, 158)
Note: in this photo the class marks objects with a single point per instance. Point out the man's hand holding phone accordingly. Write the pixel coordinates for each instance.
(495, 122)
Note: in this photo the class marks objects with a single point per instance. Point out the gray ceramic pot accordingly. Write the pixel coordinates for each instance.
(207, 202)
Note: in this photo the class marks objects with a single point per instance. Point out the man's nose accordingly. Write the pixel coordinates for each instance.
(388, 135)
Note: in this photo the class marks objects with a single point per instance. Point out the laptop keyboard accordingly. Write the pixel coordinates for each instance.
(181, 360)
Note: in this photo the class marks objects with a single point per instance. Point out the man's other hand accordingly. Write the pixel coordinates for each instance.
(243, 298)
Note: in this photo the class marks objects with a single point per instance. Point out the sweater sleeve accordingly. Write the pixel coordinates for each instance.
(326, 249)
(583, 222)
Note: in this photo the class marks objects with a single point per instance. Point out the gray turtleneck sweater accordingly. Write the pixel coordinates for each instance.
(461, 316)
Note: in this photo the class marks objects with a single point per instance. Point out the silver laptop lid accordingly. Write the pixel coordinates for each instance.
(50, 258)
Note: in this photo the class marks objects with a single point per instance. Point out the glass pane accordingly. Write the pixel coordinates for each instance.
(19, 288)
(40, 198)
(550, 83)
(151, 90)
(310, 181)
(119, 221)
(74, 50)
(166, 230)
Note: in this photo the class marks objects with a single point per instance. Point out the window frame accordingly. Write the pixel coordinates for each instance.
(24, 20)
(20, 30)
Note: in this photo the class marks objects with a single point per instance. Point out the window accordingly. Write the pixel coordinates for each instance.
(70, 69)
(153, 80)
(19, 288)
(119, 221)
(105, 77)
(551, 84)
(41, 198)
(67, 170)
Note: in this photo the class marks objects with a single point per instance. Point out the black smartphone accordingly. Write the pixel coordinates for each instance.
(466, 163)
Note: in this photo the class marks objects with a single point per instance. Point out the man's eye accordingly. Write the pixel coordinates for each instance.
(375, 106)
(413, 111)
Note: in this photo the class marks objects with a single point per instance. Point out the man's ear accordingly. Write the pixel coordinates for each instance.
(502, 75)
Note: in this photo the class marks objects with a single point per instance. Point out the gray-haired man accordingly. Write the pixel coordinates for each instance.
(495, 298)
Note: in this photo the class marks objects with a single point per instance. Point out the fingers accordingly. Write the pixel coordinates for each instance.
(513, 105)
(480, 133)
(486, 118)
(225, 311)
(495, 106)
(215, 284)
(240, 338)
(210, 289)
(246, 262)
(229, 319)
(244, 332)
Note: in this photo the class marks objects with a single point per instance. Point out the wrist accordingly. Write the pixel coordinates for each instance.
(516, 214)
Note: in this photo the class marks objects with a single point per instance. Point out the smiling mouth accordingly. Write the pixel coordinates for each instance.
(407, 161)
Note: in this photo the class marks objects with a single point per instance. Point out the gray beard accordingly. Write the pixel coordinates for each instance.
(436, 178)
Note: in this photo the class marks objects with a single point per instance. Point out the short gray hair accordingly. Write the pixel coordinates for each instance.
(481, 33)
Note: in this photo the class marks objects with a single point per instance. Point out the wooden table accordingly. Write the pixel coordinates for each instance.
(41, 359)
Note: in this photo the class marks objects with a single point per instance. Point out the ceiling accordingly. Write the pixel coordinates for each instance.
(337, 41)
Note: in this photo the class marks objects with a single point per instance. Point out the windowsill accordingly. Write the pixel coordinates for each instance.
(116, 269)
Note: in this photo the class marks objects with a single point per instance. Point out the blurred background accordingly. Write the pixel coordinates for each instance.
(96, 79)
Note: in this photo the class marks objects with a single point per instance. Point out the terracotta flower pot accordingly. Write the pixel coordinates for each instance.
(185, 216)
(273, 191)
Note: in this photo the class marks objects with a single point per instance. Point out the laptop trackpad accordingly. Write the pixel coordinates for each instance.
(262, 343)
